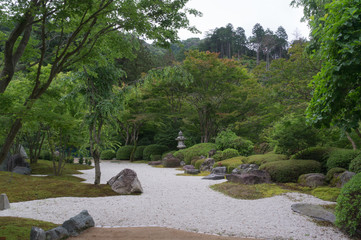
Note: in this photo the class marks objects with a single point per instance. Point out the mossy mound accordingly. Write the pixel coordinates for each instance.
(260, 159)
(231, 163)
(290, 170)
(331, 173)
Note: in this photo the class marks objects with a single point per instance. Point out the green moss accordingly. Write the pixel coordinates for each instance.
(243, 191)
(45, 167)
(260, 159)
(290, 170)
(326, 193)
(21, 188)
(201, 174)
(330, 174)
(231, 163)
(13, 228)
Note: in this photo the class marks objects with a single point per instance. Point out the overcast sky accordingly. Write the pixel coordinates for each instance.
(246, 13)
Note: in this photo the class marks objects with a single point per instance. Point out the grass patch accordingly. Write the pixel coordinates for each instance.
(201, 174)
(20, 188)
(13, 228)
(141, 161)
(258, 191)
(250, 192)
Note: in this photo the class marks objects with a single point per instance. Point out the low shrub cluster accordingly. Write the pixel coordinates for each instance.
(231, 163)
(319, 154)
(341, 158)
(138, 153)
(228, 139)
(348, 214)
(355, 165)
(226, 154)
(198, 163)
(124, 152)
(107, 154)
(289, 170)
(154, 149)
(260, 159)
(197, 150)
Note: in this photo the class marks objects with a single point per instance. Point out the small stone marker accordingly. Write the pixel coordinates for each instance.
(4, 202)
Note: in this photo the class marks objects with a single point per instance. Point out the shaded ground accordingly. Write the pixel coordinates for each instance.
(147, 233)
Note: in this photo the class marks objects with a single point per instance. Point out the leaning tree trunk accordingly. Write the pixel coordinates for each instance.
(10, 139)
(354, 147)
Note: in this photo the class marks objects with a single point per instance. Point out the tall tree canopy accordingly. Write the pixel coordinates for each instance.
(65, 33)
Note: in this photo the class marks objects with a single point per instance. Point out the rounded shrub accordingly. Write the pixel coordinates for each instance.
(228, 139)
(229, 153)
(107, 154)
(124, 152)
(348, 209)
(154, 157)
(45, 155)
(197, 150)
(154, 149)
(230, 163)
(355, 165)
(290, 170)
(319, 154)
(199, 163)
(260, 159)
(138, 153)
(341, 158)
(330, 174)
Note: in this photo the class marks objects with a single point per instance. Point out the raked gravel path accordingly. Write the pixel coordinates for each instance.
(182, 202)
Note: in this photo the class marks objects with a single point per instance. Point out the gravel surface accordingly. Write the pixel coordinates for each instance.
(182, 202)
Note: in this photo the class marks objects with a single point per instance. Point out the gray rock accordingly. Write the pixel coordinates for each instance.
(22, 170)
(4, 202)
(58, 233)
(37, 233)
(217, 173)
(245, 168)
(126, 182)
(315, 211)
(191, 171)
(250, 177)
(23, 152)
(153, 163)
(16, 160)
(207, 165)
(171, 161)
(344, 178)
(78, 223)
(312, 179)
(188, 167)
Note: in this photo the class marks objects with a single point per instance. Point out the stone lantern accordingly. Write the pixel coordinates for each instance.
(180, 140)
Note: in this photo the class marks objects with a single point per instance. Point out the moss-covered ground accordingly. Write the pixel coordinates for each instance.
(257, 191)
(13, 228)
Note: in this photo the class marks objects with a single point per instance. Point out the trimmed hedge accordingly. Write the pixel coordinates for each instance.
(124, 152)
(154, 149)
(196, 150)
(226, 154)
(341, 158)
(107, 154)
(348, 214)
(290, 170)
(332, 172)
(260, 159)
(355, 165)
(320, 154)
(138, 153)
(231, 163)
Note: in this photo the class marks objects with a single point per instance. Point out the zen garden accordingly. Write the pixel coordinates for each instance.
(114, 128)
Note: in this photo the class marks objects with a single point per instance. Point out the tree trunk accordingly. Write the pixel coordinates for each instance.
(354, 147)
(10, 139)
(96, 157)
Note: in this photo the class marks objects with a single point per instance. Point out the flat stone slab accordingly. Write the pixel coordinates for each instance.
(315, 211)
(213, 176)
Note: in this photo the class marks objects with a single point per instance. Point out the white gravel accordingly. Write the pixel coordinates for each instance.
(181, 202)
